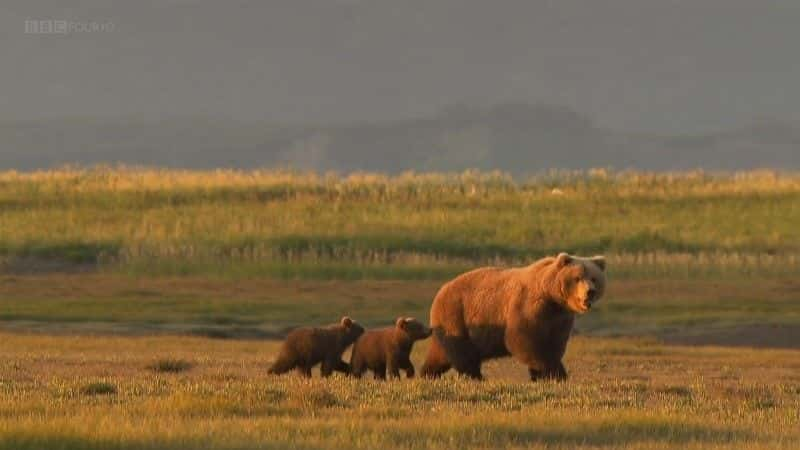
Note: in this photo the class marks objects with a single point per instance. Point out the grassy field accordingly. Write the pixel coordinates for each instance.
(126, 393)
(98, 361)
(140, 308)
(367, 226)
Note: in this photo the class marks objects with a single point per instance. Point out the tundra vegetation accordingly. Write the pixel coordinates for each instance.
(117, 286)
(284, 224)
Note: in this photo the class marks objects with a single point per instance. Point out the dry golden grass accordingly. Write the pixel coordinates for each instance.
(378, 184)
(689, 254)
(621, 394)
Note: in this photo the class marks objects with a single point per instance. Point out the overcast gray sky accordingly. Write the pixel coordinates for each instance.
(634, 65)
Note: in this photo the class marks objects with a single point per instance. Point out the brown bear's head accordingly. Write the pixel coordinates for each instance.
(580, 282)
(413, 328)
(352, 330)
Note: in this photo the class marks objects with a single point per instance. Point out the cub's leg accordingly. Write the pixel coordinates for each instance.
(548, 372)
(304, 370)
(406, 365)
(379, 372)
(329, 365)
(392, 366)
(357, 366)
(282, 365)
(342, 367)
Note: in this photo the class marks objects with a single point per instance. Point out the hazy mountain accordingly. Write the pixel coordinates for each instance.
(517, 138)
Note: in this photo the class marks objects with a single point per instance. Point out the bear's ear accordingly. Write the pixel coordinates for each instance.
(347, 322)
(563, 259)
(600, 261)
(401, 322)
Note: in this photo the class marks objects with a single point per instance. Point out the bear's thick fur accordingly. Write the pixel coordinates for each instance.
(306, 347)
(388, 349)
(526, 312)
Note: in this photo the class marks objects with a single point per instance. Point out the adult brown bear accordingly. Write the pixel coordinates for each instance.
(526, 312)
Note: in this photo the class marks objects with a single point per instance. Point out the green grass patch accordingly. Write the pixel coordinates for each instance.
(415, 226)
(77, 252)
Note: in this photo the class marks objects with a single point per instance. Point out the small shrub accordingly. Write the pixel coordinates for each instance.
(99, 388)
(170, 365)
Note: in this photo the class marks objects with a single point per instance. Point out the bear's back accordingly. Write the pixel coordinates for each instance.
(476, 298)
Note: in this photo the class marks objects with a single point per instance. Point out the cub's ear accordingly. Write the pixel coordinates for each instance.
(600, 261)
(563, 259)
(347, 322)
(401, 322)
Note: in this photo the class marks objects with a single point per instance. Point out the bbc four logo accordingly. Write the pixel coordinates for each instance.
(62, 27)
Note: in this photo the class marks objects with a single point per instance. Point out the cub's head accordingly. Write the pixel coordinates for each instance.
(413, 328)
(351, 329)
(580, 282)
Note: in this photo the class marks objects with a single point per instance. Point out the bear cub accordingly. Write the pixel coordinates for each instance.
(388, 349)
(306, 347)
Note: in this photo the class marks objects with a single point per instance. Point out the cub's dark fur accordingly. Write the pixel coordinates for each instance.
(306, 347)
(388, 349)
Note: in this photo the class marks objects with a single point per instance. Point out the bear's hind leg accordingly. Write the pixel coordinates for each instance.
(462, 354)
(436, 363)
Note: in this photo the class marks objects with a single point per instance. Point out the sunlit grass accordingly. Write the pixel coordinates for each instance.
(290, 225)
(621, 394)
